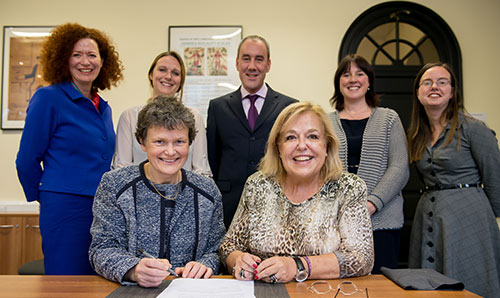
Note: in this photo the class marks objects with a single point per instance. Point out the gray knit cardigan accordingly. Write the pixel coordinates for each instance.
(384, 164)
(127, 218)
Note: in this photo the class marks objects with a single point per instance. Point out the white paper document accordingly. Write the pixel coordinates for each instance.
(208, 288)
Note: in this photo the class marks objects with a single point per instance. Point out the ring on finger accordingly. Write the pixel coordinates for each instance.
(273, 278)
(242, 273)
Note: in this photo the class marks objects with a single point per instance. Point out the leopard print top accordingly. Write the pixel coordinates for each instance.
(335, 220)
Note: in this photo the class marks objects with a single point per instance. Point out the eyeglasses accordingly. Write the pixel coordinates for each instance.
(440, 83)
(320, 287)
(346, 288)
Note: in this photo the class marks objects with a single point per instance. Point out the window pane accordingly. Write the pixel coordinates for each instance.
(382, 59)
(413, 59)
(429, 51)
(410, 33)
(366, 49)
(404, 49)
(384, 32)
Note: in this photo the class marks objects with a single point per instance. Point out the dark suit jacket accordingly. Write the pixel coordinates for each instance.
(234, 150)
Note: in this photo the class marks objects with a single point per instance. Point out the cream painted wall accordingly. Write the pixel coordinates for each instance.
(304, 35)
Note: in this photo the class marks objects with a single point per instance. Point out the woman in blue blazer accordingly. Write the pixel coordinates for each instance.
(68, 142)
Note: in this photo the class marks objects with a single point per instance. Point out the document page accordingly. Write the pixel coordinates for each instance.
(208, 288)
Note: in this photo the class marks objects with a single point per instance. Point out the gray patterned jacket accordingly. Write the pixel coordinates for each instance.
(127, 218)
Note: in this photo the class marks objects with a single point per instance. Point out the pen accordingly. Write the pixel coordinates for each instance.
(150, 256)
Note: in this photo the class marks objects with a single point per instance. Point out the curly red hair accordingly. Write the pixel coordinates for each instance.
(58, 48)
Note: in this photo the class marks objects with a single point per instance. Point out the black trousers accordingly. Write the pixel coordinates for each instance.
(386, 243)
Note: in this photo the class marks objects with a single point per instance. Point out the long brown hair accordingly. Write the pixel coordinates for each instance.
(420, 132)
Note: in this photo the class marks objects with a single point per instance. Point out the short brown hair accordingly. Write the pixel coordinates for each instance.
(271, 164)
(167, 112)
(255, 38)
(181, 63)
(337, 100)
(57, 50)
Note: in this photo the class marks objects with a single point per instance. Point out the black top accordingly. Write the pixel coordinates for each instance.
(353, 130)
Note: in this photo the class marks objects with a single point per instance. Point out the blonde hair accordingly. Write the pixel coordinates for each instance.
(271, 164)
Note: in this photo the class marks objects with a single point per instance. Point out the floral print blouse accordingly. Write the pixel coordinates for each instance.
(334, 220)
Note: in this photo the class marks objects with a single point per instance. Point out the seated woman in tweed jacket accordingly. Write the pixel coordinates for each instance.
(157, 207)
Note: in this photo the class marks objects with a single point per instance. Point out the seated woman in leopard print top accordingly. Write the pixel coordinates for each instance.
(300, 216)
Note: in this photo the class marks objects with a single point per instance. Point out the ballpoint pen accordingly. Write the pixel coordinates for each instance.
(150, 256)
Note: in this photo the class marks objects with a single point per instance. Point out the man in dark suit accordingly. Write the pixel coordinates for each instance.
(239, 123)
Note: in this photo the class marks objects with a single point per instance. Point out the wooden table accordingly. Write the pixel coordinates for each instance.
(54, 286)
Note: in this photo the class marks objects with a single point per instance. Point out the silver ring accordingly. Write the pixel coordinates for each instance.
(242, 273)
(273, 278)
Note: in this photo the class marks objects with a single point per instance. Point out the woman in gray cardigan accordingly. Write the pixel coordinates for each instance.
(154, 217)
(373, 146)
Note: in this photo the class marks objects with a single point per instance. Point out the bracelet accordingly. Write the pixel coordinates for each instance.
(308, 264)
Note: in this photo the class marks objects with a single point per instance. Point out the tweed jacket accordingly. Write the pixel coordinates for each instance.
(384, 164)
(127, 217)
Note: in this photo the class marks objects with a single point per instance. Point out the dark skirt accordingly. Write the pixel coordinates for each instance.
(65, 221)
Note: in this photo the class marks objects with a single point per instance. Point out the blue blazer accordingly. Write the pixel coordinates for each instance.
(66, 134)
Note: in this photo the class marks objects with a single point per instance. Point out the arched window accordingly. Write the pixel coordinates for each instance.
(397, 43)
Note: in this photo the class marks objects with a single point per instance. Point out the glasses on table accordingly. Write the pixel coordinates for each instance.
(345, 288)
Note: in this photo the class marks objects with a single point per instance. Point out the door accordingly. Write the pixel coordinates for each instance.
(398, 38)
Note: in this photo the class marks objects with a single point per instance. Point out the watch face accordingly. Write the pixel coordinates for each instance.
(301, 276)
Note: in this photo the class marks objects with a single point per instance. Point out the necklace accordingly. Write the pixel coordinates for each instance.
(358, 115)
(159, 193)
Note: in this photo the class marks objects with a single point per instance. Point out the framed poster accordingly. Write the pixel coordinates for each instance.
(21, 71)
(209, 54)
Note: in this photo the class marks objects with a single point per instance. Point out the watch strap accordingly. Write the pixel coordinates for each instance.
(308, 265)
(302, 274)
(300, 265)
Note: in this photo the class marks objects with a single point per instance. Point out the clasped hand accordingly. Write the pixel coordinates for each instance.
(248, 267)
(151, 272)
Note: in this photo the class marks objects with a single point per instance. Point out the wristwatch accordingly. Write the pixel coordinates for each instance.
(302, 274)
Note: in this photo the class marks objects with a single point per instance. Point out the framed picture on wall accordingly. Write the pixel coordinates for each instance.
(209, 54)
(21, 71)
